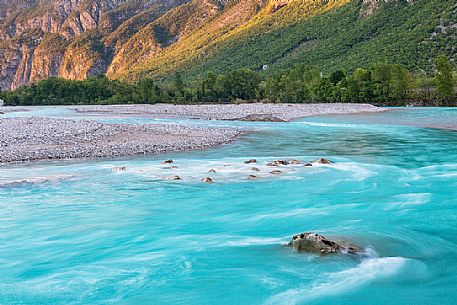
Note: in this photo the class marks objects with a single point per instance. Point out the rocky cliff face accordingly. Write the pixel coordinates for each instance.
(76, 39)
(166, 30)
(47, 58)
(66, 38)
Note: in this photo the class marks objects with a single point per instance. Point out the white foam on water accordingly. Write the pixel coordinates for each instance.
(35, 180)
(358, 171)
(441, 171)
(411, 199)
(439, 168)
(231, 170)
(291, 213)
(228, 170)
(271, 282)
(188, 265)
(368, 270)
(224, 240)
(447, 175)
(253, 241)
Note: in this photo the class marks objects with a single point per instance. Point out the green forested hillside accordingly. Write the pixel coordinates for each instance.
(328, 34)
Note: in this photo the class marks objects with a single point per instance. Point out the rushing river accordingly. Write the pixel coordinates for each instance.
(75, 232)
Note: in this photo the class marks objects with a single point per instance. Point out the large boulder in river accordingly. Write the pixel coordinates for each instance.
(316, 243)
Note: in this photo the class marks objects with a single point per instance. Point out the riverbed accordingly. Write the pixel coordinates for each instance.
(78, 232)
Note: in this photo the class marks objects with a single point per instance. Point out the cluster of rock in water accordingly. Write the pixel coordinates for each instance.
(276, 163)
(304, 242)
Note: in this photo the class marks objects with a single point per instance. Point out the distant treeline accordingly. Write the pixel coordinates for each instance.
(379, 84)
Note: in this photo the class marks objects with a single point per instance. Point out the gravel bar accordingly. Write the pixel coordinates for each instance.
(32, 139)
(257, 111)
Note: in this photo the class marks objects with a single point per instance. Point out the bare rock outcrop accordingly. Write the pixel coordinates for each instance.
(63, 38)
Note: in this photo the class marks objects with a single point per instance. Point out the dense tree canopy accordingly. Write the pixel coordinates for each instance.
(380, 83)
(443, 77)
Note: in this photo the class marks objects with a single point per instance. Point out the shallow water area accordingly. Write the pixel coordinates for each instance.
(78, 232)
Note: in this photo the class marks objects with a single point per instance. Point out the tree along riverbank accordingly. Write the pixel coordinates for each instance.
(380, 84)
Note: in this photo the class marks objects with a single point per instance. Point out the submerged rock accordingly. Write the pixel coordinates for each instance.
(255, 169)
(119, 168)
(250, 161)
(322, 161)
(316, 243)
(212, 171)
(295, 162)
(207, 180)
(170, 167)
(173, 178)
(276, 172)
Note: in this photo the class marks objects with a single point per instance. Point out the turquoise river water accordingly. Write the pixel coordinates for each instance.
(77, 233)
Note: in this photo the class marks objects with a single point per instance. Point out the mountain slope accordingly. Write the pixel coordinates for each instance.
(43, 38)
(129, 40)
(329, 34)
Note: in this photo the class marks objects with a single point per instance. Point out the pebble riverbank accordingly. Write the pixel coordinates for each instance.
(254, 112)
(31, 139)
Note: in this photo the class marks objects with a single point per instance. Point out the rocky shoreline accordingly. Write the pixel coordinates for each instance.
(243, 112)
(33, 139)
